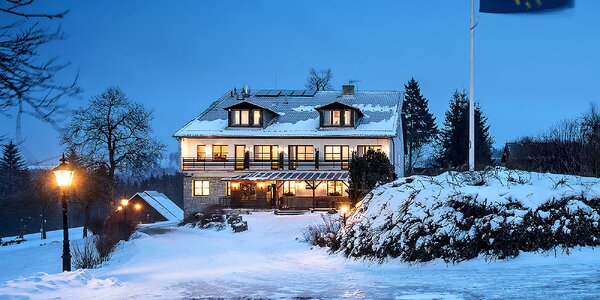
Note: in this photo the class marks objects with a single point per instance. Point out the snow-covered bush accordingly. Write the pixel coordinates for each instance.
(322, 234)
(458, 216)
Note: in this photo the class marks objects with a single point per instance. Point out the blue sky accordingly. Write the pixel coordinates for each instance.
(176, 57)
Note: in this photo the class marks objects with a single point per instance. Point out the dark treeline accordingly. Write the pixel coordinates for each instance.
(571, 147)
(30, 199)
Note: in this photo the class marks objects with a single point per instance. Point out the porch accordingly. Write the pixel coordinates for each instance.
(287, 190)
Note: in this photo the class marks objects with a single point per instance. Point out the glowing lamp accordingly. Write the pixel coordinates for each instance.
(261, 185)
(344, 209)
(235, 185)
(124, 202)
(119, 208)
(64, 173)
(138, 206)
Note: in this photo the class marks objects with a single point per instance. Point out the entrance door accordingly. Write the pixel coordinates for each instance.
(240, 151)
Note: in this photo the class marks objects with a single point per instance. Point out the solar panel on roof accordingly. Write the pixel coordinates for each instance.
(298, 93)
(287, 92)
(309, 93)
(274, 93)
(262, 93)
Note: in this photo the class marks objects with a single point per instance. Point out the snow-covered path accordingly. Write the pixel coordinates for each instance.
(267, 261)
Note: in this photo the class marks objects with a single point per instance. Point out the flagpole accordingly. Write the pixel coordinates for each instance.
(472, 94)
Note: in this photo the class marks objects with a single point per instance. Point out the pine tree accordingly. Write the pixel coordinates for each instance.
(13, 170)
(367, 171)
(454, 137)
(418, 123)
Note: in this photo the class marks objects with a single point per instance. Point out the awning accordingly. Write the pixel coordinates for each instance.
(291, 175)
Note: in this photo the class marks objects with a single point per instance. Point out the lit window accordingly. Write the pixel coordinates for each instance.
(336, 117)
(256, 117)
(289, 188)
(338, 154)
(201, 152)
(335, 188)
(219, 152)
(227, 188)
(200, 188)
(265, 153)
(241, 117)
(245, 119)
(347, 117)
(362, 150)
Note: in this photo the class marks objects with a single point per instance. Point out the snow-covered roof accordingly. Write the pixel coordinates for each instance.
(162, 204)
(298, 117)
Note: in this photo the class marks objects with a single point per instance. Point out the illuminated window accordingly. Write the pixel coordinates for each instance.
(219, 152)
(265, 153)
(337, 153)
(362, 150)
(335, 188)
(200, 188)
(337, 118)
(256, 118)
(201, 152)
(227, 188)
(245, 118)
(289, 188)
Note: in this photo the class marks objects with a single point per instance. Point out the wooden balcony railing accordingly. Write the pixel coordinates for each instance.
(249, 164)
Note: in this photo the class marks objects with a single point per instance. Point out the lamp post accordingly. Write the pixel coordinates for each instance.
(344, 210)
(64, 177)
(124, 205)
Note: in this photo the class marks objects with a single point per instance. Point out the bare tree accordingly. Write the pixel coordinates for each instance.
(319, 80)
(28, 83)
(114, 132)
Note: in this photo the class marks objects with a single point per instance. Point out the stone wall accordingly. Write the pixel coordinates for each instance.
(193, 204)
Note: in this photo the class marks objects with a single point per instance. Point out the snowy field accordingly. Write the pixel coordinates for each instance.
(169, 262)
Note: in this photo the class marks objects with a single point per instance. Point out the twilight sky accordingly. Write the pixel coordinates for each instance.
(176, 57)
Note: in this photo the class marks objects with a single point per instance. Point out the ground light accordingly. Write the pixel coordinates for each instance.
(64, 178)
(344, 210)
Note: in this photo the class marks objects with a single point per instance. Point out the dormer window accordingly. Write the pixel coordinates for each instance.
(338, 114)
(337, 117)
(246, 117)
(246, 114)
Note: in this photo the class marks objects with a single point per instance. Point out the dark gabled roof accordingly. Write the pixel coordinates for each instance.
(338, 105)
(248, 104)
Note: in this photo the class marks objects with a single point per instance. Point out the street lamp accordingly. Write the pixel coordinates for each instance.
(344, 210)
(64, 177)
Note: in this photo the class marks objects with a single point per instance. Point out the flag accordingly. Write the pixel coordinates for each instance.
(521, 6)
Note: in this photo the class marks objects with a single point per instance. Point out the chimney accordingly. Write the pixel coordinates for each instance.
(246, 92)
(348, 90)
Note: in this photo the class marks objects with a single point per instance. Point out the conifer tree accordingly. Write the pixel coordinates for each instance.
(13, 170)
(367, 171)
(418, 123)
(454, 137)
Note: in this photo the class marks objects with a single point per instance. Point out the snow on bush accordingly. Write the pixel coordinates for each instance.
(458, 216)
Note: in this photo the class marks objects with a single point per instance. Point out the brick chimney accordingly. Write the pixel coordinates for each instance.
(348, 90)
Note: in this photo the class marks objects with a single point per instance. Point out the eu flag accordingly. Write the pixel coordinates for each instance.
(521, 6)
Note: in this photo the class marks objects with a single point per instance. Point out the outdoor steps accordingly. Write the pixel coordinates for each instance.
(289, 212)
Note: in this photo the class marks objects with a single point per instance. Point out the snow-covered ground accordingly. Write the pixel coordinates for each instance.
(169, 262)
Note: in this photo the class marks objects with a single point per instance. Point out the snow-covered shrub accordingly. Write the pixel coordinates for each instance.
(322, 234)
(458, 216)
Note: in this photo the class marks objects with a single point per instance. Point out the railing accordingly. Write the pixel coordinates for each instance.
(249, 164)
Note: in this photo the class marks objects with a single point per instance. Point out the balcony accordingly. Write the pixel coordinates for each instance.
(249, 164)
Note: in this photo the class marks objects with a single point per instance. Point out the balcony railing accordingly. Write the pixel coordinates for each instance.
(249, 164)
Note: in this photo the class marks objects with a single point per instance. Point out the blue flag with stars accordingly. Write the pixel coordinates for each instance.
(521, 6)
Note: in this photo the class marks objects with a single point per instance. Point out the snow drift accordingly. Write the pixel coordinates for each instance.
(458, 216)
